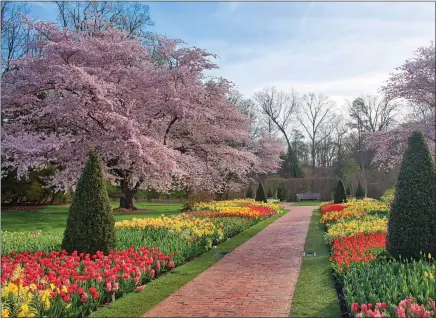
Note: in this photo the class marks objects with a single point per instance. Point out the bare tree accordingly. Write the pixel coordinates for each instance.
(279, 108)
(373, 113)
(15, 34)
(315, 115)
(369, 114)
(133, 17)
(247, 107)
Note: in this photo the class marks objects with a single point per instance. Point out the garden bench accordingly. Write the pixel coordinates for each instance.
(308, 196)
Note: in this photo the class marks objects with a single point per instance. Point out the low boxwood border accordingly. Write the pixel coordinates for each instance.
(138, 303)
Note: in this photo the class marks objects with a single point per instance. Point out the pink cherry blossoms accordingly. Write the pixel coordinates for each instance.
(149, 112)
(415, 82)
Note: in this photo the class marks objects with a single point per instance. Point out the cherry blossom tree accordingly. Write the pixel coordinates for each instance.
(414, 82)
(154, 122)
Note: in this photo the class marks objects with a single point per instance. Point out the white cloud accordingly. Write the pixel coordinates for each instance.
(341, 57)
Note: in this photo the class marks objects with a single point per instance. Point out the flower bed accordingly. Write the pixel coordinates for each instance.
(58, 284)
(367, 225)
(50, 282)
(373, 284)
(355, 249)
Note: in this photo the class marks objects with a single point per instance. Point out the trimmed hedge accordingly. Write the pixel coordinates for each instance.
(412, 220)
(340, 195)
(90, 224)
(260, 194)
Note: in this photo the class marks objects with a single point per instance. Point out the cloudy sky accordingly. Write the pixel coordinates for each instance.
(340, 49)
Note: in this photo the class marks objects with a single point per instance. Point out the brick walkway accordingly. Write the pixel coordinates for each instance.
(256, 280)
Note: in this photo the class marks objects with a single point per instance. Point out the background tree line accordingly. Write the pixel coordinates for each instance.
(359, 141)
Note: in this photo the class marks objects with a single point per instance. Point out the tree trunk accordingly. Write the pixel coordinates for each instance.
(126, 199)
(313, 158)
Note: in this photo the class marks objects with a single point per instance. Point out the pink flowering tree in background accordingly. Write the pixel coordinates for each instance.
(149, 112)
(415, 83)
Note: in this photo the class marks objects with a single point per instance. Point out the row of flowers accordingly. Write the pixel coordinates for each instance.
(334, 212)
(58, 284)
(223, 205)
(373, 284)
(406, 308)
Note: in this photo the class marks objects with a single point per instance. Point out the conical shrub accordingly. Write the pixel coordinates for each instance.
(249, 194)
(340, 195)
(360, 193)
(270, 193)
(412, 219)
(90, 223)
(260, 194)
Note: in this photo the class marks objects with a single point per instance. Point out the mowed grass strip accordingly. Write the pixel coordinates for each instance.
(138, 303)
(315, 294)
(307, 203)
(54, 217)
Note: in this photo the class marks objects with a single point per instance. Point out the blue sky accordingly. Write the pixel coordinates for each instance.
(340, 49)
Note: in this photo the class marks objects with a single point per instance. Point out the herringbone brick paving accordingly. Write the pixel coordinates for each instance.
(257, 279)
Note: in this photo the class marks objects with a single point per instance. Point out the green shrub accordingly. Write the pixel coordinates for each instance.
(250, 194)
(412, 221)
(348, 190)
(281, 194)
(340, 196)
(90, 223)
(275, 194)
(270, 193)
(360, 193)
(388, 196)
(260, 194)
(33, 190)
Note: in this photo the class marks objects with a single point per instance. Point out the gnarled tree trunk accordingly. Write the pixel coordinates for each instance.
(126, 199)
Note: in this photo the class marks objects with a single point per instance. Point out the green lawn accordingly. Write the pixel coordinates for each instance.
(54, 217)
(136, 304)
(315, 294)
(307, 203)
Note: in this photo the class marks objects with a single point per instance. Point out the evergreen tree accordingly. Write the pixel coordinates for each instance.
(290, 165)
(340, 196)
(260, 194)
(360, 193)
(90, 223)
(412, 219)
(249, 193)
